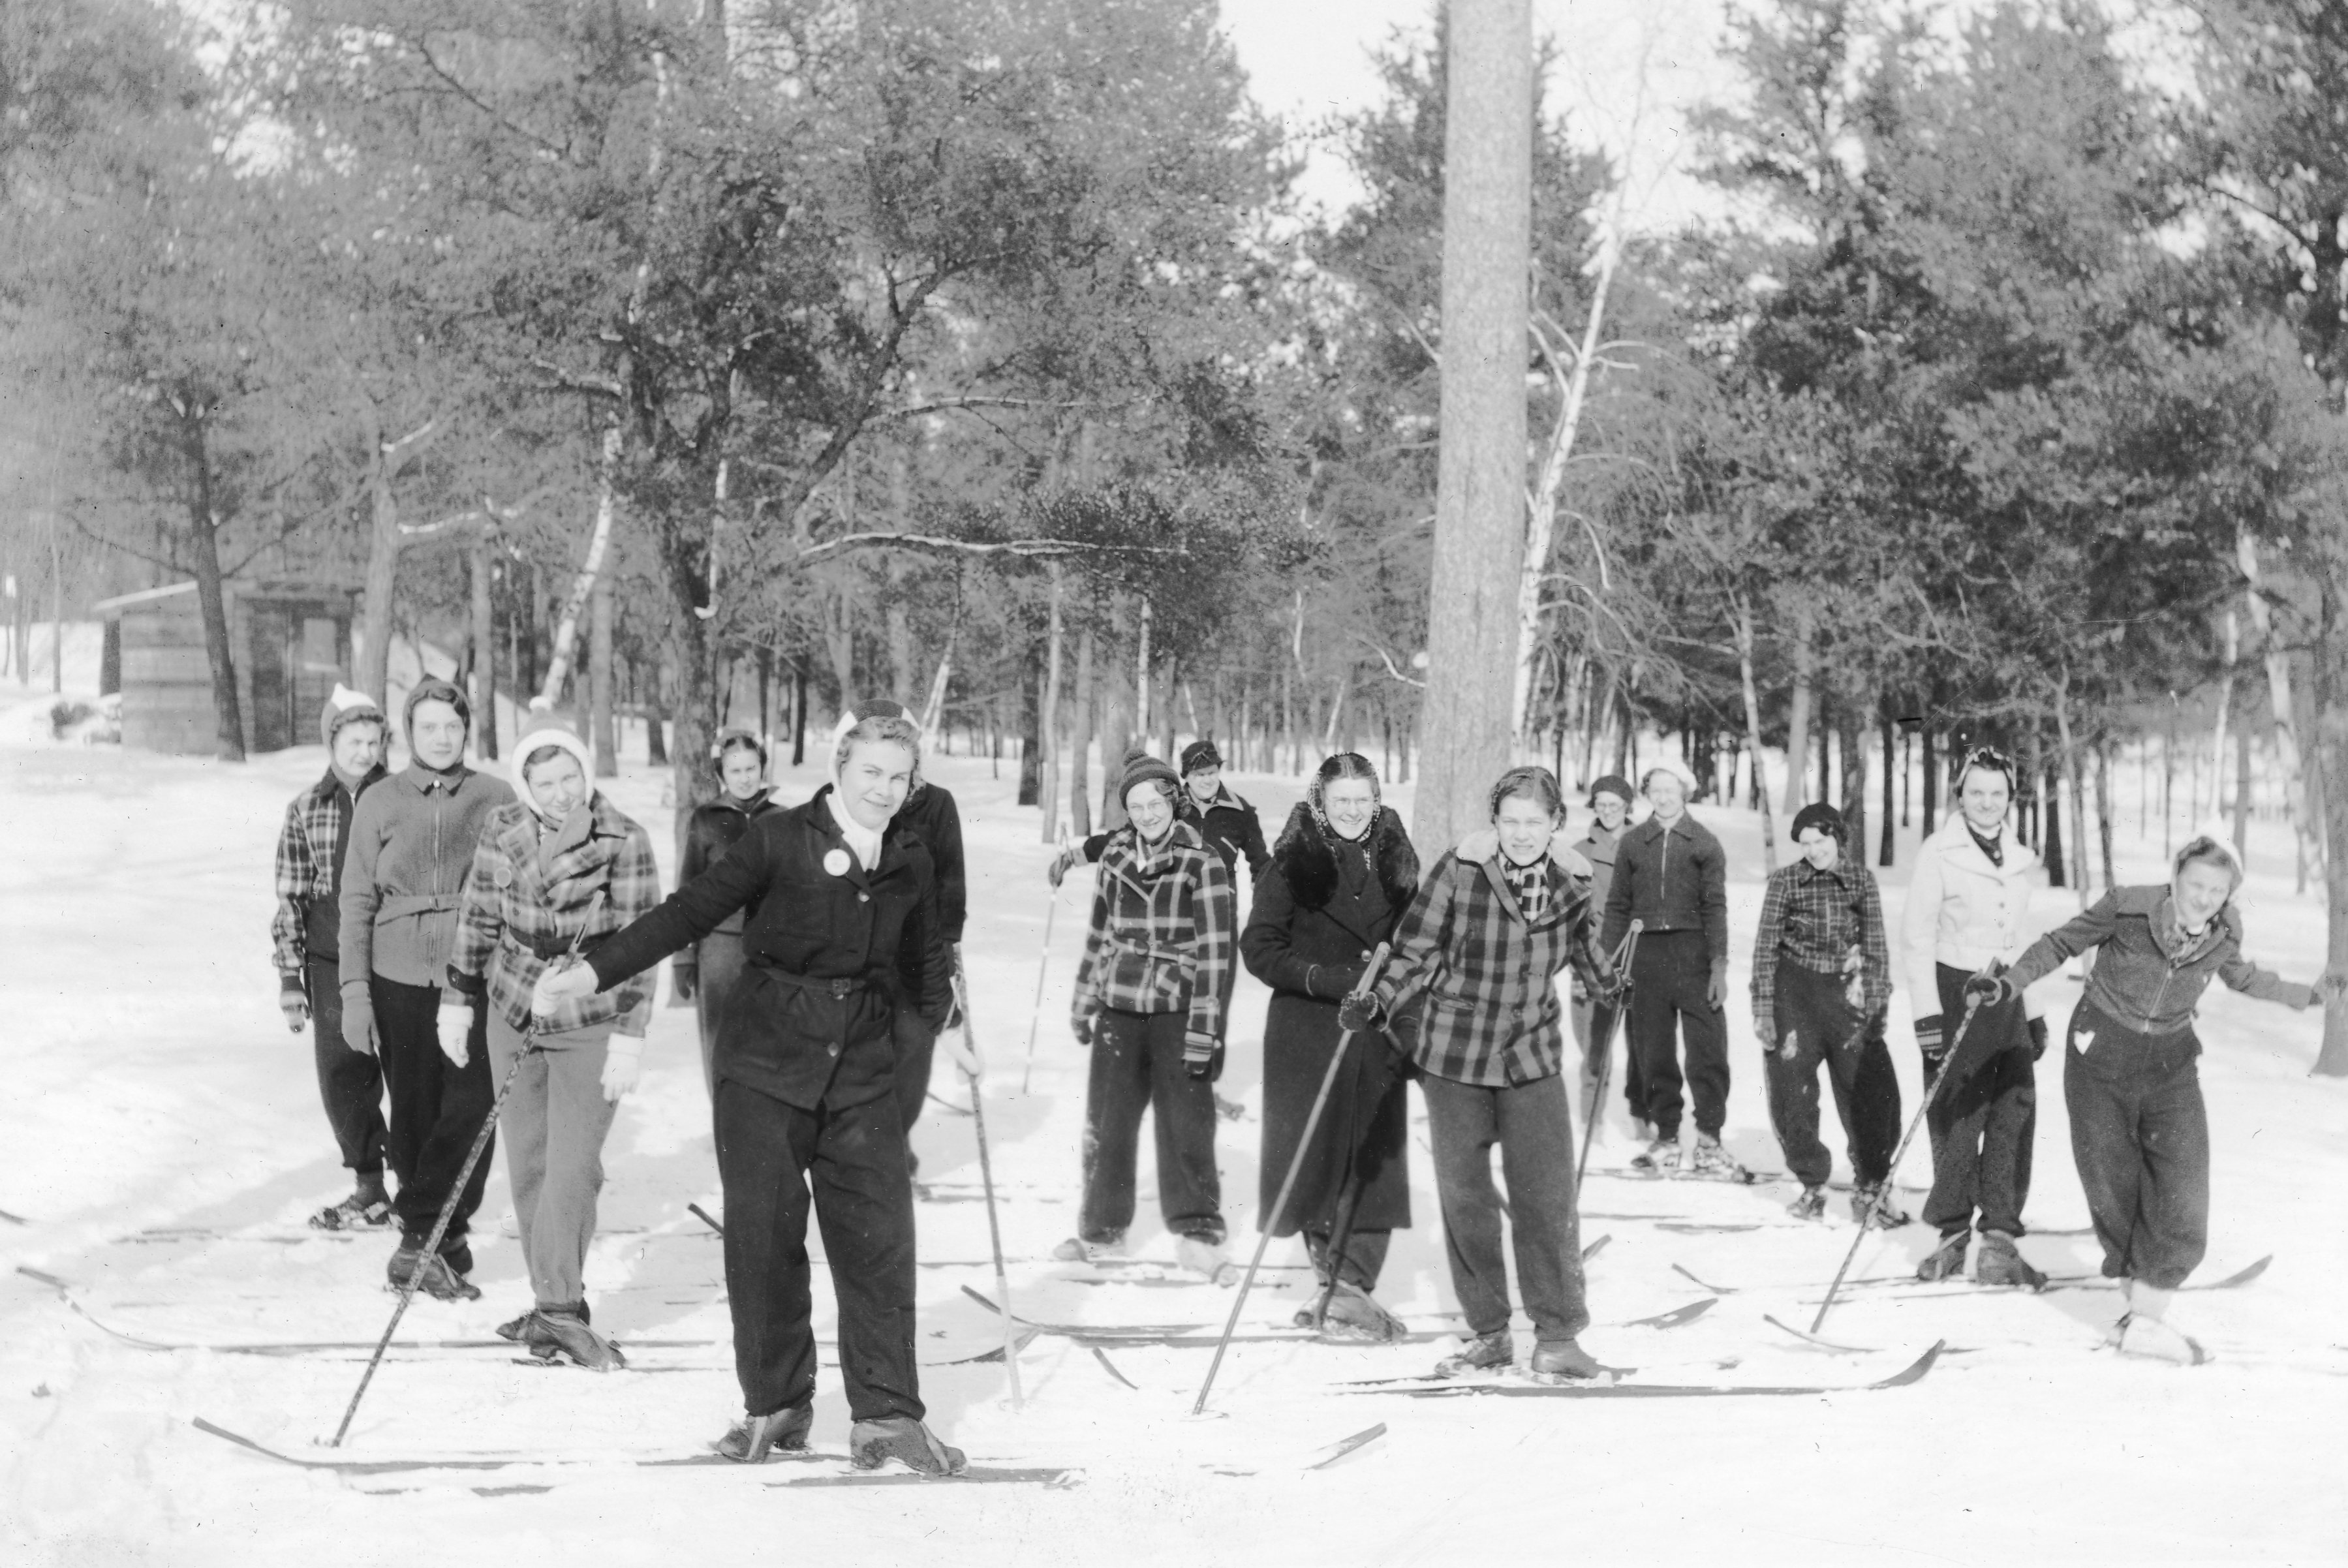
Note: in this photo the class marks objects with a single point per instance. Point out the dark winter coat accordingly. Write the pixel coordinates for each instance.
(930, 814)
(1671, 878)
(1321, 906)
(810, 1022)
(709, 832)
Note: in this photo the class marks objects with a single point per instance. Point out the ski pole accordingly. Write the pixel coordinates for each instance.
(1288, 1183)
(1947, 1071)
(1042, 964)
(456, 1190)
(986, 1175)
(1341, 1232)
(1614, 1014)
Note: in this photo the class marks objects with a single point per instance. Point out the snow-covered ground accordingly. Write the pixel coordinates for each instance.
(163, 1142)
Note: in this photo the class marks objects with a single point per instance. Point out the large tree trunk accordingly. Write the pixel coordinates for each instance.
(1893, 774)
(375, 608)
(1049, 728)
(1031, 729)
(603, 732)
(211, 602)
(2331, 768)
(1080, 745)
(1798, 716)
(1853, 734)
(599, 545)
(1480, 508)
(1744, 629)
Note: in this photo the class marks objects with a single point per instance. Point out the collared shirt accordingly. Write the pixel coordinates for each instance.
(1818, 919)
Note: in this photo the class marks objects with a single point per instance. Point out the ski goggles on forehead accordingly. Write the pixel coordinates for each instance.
(1988, 757)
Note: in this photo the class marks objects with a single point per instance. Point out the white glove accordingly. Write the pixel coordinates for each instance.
(568, 983)
(960, 1046)
(456, 1028)
(624, 1060)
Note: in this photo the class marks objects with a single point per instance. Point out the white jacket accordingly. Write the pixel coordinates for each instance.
(1963, 911)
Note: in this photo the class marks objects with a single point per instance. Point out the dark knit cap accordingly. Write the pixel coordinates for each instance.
(1818, 814)
(1147, 766)
(1200, 754)
(1613, 784)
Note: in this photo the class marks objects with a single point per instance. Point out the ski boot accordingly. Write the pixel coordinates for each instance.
(1562, 1361)
(1077, 1250)
(561, 1333)
(1714, 1162)
(1871, 1206)
(368, 1208)
(1810, 1205)
(2001, 1263)
(1948, 1259)
(517, 1328)
(1660, 1158)
(751, 1439)
(1354, 1317)
(872, 1444)
(438, 1280)
(1204, 1255)
(1478, 1353)
(2142, 1329)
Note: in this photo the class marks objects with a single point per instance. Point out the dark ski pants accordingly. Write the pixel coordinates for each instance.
(1533, 1124)
(2140, 1135)
(1593, 1030)
(1364, 1259)
(1669, 975)
(769, 1154)
(1137, 1066)
(1984, 1122)
(718, 964)
(437, 1106)
(1826, 1032)
(350, 1082)
(916, 1047)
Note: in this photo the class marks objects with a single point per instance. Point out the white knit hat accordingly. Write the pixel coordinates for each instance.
(2214, 835)
(544, 728)
(1671, 765)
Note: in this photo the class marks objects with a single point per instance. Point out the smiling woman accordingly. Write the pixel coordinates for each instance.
(843, 931)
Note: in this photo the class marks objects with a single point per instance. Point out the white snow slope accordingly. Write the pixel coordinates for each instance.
(164, 1142)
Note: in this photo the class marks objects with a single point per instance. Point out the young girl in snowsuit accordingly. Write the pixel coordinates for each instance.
(558, 867)
(1149, 1005)
(2139, 1131)
(838, 896)
(706, 973)
(1338, 880)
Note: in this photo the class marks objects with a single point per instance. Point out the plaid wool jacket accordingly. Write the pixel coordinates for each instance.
(524, 908)
(310, 872)
(1816, 919)
(1163, 927)
(1492, 1017)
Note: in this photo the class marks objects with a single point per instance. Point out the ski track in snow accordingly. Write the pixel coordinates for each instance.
(154, 1089)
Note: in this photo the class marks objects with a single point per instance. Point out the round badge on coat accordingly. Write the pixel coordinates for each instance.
(505, 876)
(836, 862)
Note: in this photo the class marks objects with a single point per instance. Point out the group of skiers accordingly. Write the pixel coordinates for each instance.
(445, 933)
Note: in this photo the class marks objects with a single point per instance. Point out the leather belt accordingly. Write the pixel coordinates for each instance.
(836, 986)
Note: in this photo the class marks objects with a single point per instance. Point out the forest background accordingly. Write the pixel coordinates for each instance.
(711, 361)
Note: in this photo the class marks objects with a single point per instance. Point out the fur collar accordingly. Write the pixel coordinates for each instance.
(1307, 859)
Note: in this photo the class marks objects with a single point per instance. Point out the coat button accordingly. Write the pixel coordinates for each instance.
(833, 1049)
(1366, 955)
(864, 898)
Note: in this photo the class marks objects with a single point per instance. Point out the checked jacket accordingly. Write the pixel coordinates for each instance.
(1492, 1017)
(1817, 920)
(525, 904)
(1163, 929)
(310, 874)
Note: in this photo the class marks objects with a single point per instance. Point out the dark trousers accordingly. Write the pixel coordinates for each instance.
(1826, 1030)
(718, 964)
(767, 1154)
(2140, 1135)
(1593, 1032)
(436, 1109)
(1364, 1259)
(1985, 1121)
(1137, 1066)
(1669, 975)
(350, 1082)
(1533, 1125)
(917, 1046)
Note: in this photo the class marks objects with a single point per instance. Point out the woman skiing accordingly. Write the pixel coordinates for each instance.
(1149, 1005)
(1965, 908)
(805, 1073)
(1340, 876)
(2139, 1131)
(555, 870)
(705, 972)
(1483, 943)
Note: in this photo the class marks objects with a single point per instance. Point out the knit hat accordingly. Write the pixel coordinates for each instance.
(432, 688)
(1673, 765)
(347, 706)
(1200, 754)
(1613, 784)
(1144, 767)
(1818, 814)
(543, 728)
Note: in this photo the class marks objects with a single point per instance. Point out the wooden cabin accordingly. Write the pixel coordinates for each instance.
(290, 641)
